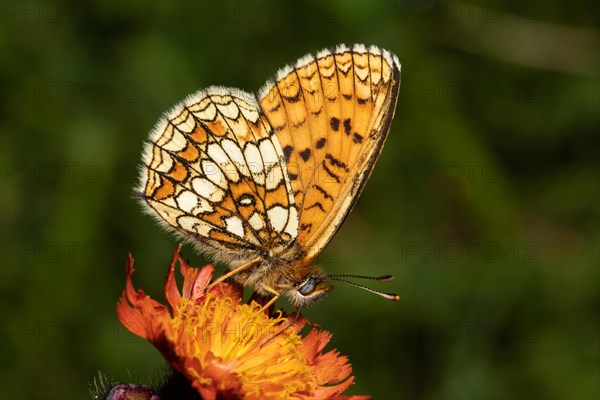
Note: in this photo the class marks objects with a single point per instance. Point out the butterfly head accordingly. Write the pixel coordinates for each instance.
(308, 290)
(312, 288)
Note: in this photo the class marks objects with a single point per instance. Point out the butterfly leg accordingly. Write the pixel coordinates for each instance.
(233, 272)
(275, 293)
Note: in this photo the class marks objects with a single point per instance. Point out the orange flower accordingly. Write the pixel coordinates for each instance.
(227, 348)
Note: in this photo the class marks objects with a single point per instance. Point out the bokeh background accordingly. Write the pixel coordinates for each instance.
(484, 203)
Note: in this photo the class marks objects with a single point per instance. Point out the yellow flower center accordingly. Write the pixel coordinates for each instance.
(238, 347)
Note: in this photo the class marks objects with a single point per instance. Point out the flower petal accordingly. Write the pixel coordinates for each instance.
(195, 280)
(171, 291)
(136, 311)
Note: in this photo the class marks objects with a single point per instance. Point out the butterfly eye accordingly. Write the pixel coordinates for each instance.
(308, 286)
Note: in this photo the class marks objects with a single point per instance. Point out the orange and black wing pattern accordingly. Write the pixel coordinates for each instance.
(245, 178)
(331, 113)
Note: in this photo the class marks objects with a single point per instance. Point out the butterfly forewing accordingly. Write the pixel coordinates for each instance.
(331, 113)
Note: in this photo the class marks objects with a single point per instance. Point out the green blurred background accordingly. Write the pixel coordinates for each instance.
(484, 203)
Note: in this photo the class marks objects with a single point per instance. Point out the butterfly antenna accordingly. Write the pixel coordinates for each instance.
(384, 278)
(388, 296)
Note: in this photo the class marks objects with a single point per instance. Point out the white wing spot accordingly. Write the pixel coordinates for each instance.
(272, 164)
(188, 125)
(234, 225)
(255, 164)
(278, 216)
(292, 225)
(256, 221)
(217, 154)
(220, 157)
(161, 161)
(208, 113)
(177, 142)
(229, 110)
(249, 110)
(246, 200)
(235, 154)
(187, 201)
(208, 190)
(214, 173)
(269, 155)
(194, 224)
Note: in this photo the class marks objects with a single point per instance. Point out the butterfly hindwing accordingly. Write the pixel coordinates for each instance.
(213, 172)
(331, 113)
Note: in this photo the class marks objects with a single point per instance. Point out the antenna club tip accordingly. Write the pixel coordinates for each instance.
(396, 297)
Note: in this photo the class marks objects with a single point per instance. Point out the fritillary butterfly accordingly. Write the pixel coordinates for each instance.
(263, 182)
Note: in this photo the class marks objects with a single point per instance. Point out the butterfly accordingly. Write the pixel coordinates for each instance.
(262, 183)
